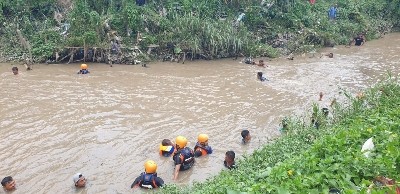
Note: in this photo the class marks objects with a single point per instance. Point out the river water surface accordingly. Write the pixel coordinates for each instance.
(54, 123)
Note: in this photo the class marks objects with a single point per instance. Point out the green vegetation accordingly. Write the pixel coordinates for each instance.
(203, 28)
(309, 160)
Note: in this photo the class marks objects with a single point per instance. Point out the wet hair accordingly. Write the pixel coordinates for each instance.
(330, 55)
(14, 69)
(259, 74)
(6, 180)
(261, 61)
(166, 142)
(245, 133)
(230, 154)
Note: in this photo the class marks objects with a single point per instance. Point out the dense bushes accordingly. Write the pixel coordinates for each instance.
(198, 26)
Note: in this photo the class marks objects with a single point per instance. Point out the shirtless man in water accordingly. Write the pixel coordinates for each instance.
(260, 63)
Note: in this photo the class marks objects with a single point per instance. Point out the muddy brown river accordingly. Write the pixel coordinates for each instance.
(54, 123)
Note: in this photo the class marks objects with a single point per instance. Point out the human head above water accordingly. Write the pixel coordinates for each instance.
(79, 180)
(8, 183)
(84, 66)
(246, 135)
(181, 142)
(150, 167)
(203, 139)
(230, 156)
(15, 70)
(167, 142)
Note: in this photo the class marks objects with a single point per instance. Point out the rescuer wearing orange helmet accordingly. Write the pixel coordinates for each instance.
(148, 179)
(183, 157)
(84, 69)
(202, 148)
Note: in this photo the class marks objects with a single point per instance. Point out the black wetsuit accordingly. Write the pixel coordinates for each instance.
(358, 41)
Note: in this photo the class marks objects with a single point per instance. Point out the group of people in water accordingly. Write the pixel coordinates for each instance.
(182, 156)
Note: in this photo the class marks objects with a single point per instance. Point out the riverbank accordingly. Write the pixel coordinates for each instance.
(47, 30)
(307, 159)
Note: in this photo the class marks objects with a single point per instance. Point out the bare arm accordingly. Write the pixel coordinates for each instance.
(177, 167)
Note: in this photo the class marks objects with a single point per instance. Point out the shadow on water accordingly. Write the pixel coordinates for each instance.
(55, 123)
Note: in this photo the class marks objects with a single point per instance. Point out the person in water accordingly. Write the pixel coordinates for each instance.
(79, 180)
(260, 63)
(359, 40)
(245, 136)
(166, 148)
(285, 125)
(8, 183)
(148, 179)
(202, 148)
(229, 161)
(330, 55)
(183, 157)
(15, 70)
(84, 69)
(260, 76)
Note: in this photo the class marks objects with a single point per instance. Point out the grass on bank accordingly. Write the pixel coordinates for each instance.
(309, 160)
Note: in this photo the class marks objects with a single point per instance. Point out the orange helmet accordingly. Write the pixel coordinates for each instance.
(83, 66)
(202, 138)
(181, 141)
(150, 166)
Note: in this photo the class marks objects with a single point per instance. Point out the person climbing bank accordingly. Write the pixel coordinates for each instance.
(183, 157)
(148, 179)
(202, 148)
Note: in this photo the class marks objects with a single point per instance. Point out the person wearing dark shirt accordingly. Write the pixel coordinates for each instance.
(183, 157)
(229, 161)
(202, 148)
(148, 179)
(359, 40)
(260, 76)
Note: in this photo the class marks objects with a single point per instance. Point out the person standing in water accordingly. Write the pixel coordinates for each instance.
(79, 180)
(84, 69)
(245, 136)
(229, 161)
(148, 179)
(8, 183)
(183, 157)
(358, 41)
(15, 70)
(202, 148)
